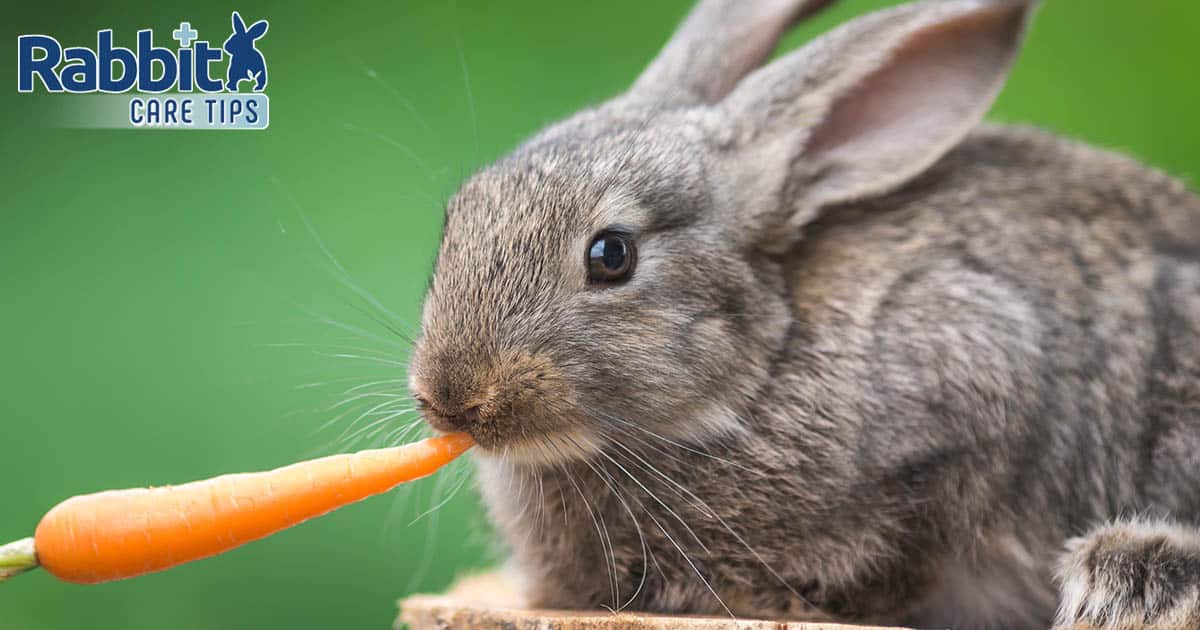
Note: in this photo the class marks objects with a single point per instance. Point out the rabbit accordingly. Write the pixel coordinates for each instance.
(808, 340)
(245, 61)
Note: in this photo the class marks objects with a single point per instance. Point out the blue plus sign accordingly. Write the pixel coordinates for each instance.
(185, 35)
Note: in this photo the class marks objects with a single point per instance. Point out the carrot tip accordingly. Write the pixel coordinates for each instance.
(17, 557)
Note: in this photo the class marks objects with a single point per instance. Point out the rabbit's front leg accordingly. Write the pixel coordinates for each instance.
(1129, 575)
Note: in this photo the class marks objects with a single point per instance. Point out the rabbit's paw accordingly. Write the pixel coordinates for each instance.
(1131, 575)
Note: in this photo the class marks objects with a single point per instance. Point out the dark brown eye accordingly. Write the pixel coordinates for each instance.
(610, 257)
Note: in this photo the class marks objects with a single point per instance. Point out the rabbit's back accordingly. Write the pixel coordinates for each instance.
(1031, 307)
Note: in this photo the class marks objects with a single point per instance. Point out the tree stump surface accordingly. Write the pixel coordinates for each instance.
(487, 602)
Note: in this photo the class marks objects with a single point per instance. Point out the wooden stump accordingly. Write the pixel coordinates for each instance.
(486, 602)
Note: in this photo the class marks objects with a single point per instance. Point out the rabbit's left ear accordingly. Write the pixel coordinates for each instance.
(861, 110)
(238, 25)
(720, 42)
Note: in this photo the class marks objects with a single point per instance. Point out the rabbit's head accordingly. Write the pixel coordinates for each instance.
(622, 271)
(241, 40)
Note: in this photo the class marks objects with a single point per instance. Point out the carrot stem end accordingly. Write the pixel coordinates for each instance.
(17, 557)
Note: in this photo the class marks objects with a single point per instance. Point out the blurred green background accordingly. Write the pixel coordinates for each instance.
(167, 315)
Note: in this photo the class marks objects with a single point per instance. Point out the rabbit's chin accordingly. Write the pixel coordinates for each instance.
(548, 449)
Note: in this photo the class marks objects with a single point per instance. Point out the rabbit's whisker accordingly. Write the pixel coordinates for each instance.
(462, 62)
(354, 330)
(651, 468)
(325, 383)
(330, 347)
(339, 272)
(399, 434)
(385, 424)
(602, 533)
(682, 552)
(359, 357)
(378, 425)
(657, 500)
(390, 381)
(690, 496)
(383, 405)
(541, 506)
(431, 532)
(617, 604)
(335, 420)
(426, 170)
(388, 405)
(366, 395)
(407, 104)
(602, 472)
(676, 444)
(446, 499)
(405, 335)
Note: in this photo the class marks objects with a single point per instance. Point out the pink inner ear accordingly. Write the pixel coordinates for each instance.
(918, 100)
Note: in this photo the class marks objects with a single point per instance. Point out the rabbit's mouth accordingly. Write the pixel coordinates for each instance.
(548, 449)
(519, 438)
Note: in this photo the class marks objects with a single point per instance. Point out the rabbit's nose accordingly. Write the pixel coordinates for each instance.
(457, 390)
(464, 419)
(445, 420)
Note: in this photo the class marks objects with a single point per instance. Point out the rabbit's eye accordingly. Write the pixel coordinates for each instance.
(610, 257)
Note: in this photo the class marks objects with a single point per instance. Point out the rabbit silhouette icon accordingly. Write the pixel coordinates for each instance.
(245, 61)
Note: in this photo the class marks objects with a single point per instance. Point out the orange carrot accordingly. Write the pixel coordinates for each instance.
(122, 533)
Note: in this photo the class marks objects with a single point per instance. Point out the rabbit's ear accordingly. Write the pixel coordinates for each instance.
(239, 26)
(258, 29)
(863, 109)
(718, 43)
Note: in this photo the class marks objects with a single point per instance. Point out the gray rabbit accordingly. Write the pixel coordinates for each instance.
(808, 340)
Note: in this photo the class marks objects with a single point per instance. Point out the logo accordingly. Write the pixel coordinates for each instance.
(182, 88)
(245, 61)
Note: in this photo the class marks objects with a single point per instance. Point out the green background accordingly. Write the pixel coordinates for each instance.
(167, 315)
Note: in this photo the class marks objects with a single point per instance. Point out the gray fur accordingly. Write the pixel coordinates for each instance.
(882, 375)
(1132, 575)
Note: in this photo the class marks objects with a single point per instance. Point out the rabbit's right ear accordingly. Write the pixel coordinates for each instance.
(860, 111)
(256, 30)
(718, 44)
(239, 26)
